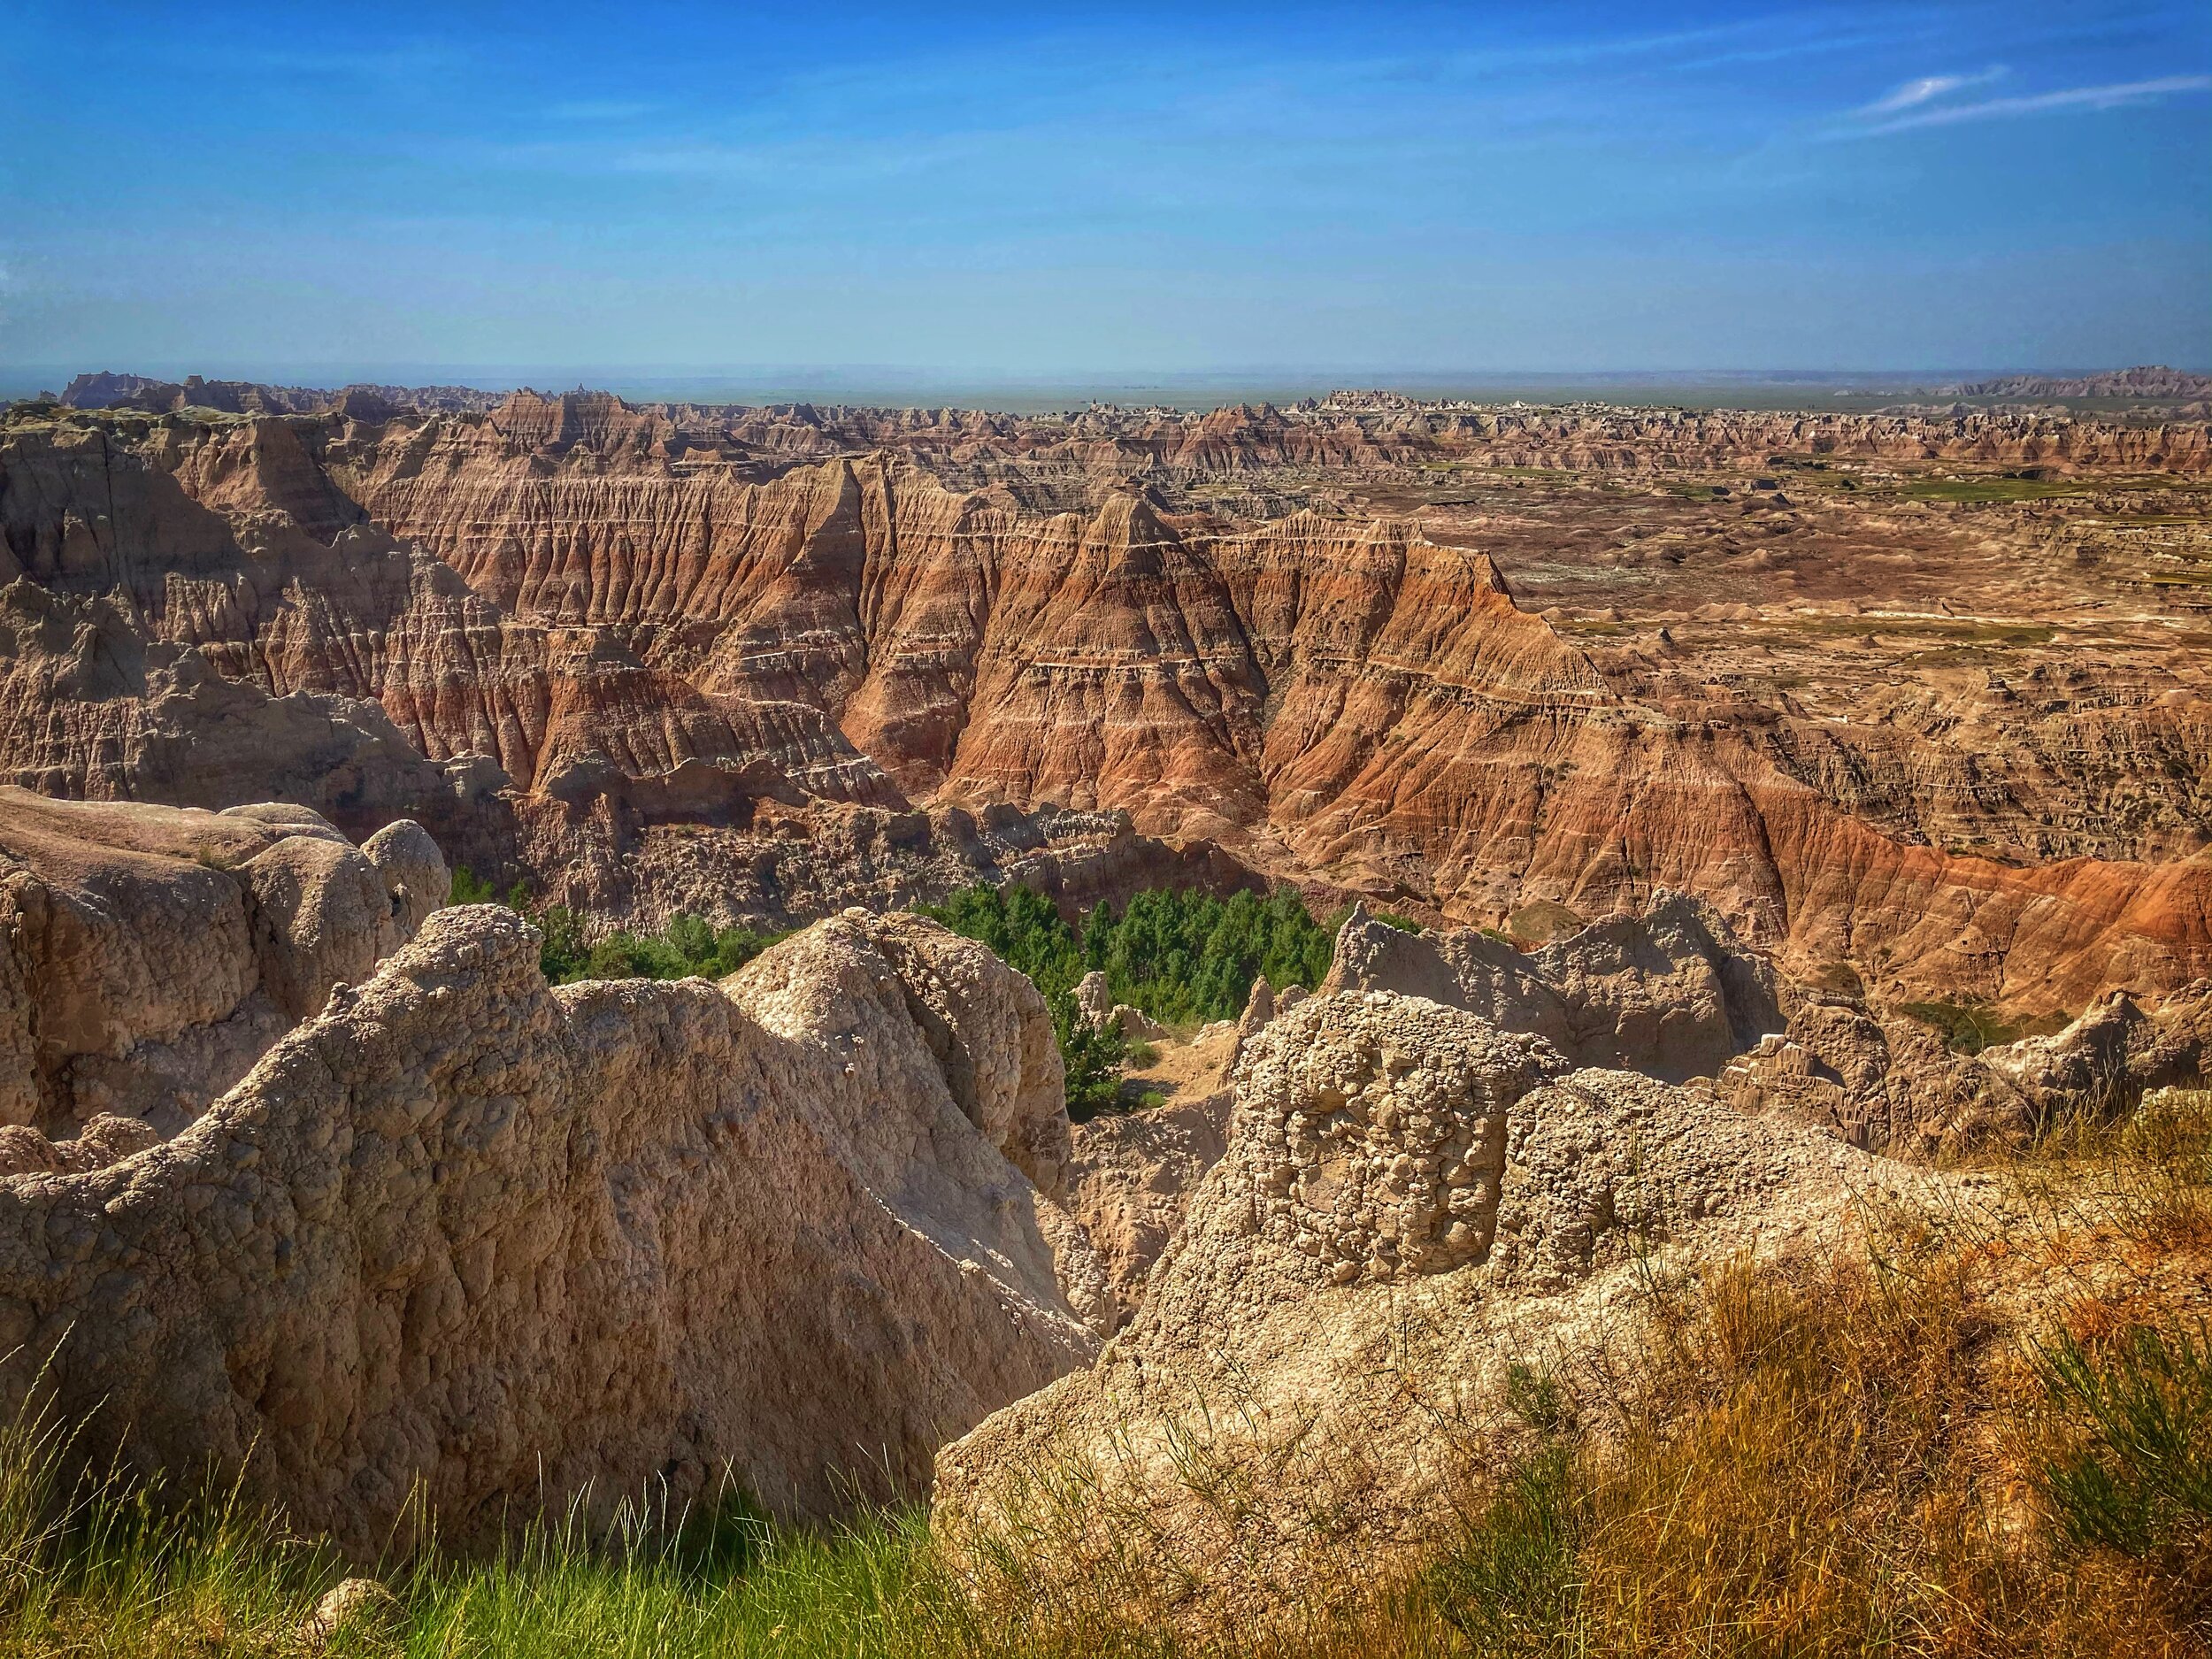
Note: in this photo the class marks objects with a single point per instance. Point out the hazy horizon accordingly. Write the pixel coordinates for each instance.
(1158, 193)
(900, 385)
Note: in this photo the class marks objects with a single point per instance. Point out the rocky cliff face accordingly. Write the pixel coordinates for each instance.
(150, 954)
(515, 1244)
(1883, 1079)
(1411, 1203)
(1670, 993)
(556, 631)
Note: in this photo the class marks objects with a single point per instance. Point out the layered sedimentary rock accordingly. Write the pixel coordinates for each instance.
(1884, 1078)
(505, 1245)
(1411, 1204)
(149, 954)
(1670, 993)
(595, 623)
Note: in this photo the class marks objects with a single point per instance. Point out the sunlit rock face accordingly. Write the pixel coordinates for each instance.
(653, 659)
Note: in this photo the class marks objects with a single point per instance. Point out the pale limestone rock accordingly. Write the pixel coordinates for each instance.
(1670, 992)
(2113, 1054)
(1889, 1082)
(1135, 1023)
(518, 1244)
(1411, 1202)
(148, 954)
(349, 1607)
(1092, 1000)
(1131, 1180)
(415, 876)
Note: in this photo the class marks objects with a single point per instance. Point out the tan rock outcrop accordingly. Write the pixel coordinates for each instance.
(508, 1244)
(1130, 1182)
(2110, 1057)
(1891, 1083)
(1411, 1203)
(149, 954)
(1670, 993)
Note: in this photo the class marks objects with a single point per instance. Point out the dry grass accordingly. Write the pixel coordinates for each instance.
(1887, 1455)
(1990, 1435)
(1987, 1435)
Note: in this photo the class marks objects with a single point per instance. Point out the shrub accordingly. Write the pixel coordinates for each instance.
(562, 952)
(471, 889)
(1183, 955)
(1091, 1056)
(1509, 1582)
(685, 947)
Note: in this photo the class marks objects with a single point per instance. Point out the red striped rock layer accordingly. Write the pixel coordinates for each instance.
(1357, 700)
(609, 619)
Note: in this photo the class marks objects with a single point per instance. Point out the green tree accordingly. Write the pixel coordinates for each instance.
(1180, 955)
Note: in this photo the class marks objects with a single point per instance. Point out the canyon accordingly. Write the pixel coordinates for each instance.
(311, 1182)
(316, 1185)
(1918, 699)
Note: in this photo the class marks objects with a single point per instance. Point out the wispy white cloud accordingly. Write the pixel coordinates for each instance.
(406, 62)
(1927, 89)
(2114, 96)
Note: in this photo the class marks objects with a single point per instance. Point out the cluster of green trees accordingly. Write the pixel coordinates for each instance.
(1183, 956)
(1023, 928)
(685, 947)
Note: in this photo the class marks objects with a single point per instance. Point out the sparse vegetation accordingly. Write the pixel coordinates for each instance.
(1965, 1027)
(2138, 1479)
(1541, 921)
(1839, 1456)
(686, 947)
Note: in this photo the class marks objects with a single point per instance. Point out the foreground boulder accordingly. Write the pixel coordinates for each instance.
(149, 953)
(1412, 1204)
(512, 1244)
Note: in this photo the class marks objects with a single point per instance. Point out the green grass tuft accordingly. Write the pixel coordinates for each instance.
(2141, 1482)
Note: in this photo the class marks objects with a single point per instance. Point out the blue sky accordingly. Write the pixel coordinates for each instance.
(241, 188)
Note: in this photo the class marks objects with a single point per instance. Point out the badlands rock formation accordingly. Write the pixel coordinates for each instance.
(1411, 1202)
(636, 652)
(1670, 993)
(1130, 1180)
(511, 1244)
(1888, 1081)
(148, 954)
